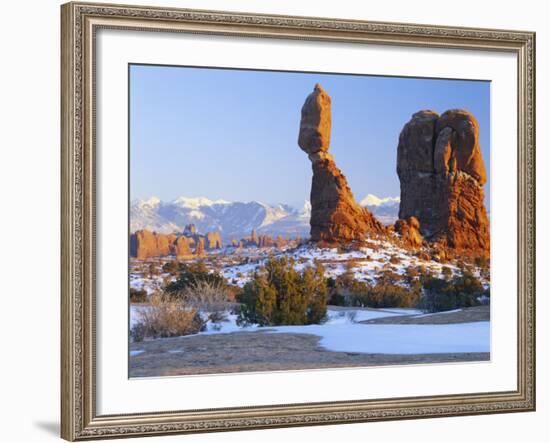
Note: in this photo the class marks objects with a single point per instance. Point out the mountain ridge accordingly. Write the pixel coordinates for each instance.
(234, 219)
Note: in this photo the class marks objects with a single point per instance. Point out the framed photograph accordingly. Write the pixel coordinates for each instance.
(277, 221)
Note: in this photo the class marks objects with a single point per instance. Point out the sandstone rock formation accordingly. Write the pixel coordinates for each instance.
(280, 242)
(265, 241)
(182, 248)
(146, 244)
(409, 231)
(335, 215)
(191, 241)
(254, 237)
(199, 249)
(190, 229)
(442, 174)
(213, 240)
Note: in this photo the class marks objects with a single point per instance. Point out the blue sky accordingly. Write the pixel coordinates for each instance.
(232, 134)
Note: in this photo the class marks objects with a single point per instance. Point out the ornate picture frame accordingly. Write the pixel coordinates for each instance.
(80, 23)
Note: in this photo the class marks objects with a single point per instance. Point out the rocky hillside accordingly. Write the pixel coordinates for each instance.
(186, 244)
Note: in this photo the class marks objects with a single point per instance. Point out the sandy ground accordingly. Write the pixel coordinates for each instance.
(260, 351)
(467, 315)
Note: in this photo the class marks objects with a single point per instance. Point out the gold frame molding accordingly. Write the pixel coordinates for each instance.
(79, 22)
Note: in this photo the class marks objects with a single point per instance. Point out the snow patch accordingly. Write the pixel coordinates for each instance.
(399, 339)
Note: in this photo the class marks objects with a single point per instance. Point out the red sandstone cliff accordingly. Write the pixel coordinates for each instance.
(147, 244)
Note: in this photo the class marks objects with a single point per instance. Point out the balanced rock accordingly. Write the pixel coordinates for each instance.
(442, 173)
(335, 215)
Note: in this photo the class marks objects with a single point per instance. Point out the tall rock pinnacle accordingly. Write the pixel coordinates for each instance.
(442, 174)
(335, 215)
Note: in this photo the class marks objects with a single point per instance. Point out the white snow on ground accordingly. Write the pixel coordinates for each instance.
(136, 352)
(368, 262)
(342, 333)
(340, 316)
(404, 311)
(150, 284)
(350, 316)
(226, 327)
(334, 317)
(399, 339)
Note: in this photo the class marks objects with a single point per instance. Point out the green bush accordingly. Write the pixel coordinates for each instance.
(192, 275)
(389, 277)
(482, 262)
(171, 267)
(446, 294)
(411, 275)
(385, 293)
(335, 298)
(484, 266)
(280, 295)
(446, 272)
(137, 332)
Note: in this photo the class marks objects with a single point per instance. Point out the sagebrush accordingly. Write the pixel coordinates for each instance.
(168, 317)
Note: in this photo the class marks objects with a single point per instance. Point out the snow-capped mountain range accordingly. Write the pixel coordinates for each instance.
(373, 201)
(237, 219)
(385, 209)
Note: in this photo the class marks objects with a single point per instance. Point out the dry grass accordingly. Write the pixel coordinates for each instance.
(167, 317)
(206, 297)
(183, 313)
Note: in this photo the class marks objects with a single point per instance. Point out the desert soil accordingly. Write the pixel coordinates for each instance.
(467, 315)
